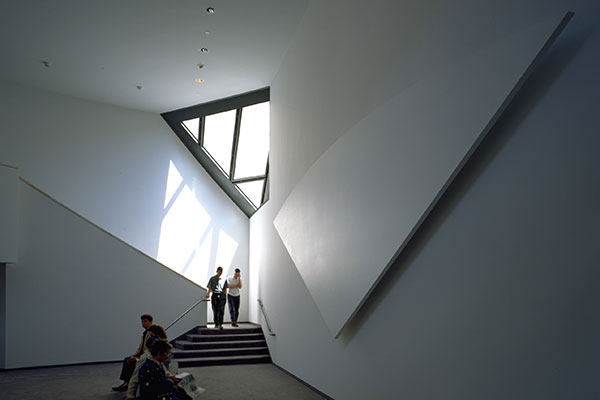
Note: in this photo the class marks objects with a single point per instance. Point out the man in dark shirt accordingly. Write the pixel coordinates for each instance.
(218, 286)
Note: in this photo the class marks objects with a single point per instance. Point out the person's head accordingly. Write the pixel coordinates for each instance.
(160, 350)
(236, 274)
(219, 271)
(158, 330)
(146, 320)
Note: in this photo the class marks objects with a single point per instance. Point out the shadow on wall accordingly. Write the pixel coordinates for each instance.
(193, 240)
(541, 79)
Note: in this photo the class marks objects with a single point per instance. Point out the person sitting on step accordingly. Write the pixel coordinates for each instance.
(154, 382)
(155, 332)
(129, 362)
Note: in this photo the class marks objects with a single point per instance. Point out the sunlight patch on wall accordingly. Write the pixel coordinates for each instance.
(226, 249)
(174, 180)
(183, 226)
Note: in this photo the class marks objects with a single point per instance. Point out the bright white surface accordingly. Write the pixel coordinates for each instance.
(8, 214)
(89, 287)
(347, 218)
(218, 137)
(253, 190)
(192, 126)
(126, 172)
(253, 145)
(101, 50)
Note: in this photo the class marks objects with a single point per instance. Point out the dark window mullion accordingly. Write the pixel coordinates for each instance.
(201, 131)
(249, 179)
(236, 138)
(262, 197)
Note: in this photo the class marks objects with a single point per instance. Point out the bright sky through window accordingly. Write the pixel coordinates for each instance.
(253, 145)
(253, 190)
(192, 126)
(218, 137)
(230, 139)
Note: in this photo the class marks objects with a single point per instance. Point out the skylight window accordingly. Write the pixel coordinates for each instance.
(230, 138)
(192, 126)
(218, 137)
(253, 145)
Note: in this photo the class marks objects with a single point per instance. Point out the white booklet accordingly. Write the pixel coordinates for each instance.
(188, 383)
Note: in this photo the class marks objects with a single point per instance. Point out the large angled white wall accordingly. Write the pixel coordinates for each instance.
(125, 171)
(494, 296)
(407, 151)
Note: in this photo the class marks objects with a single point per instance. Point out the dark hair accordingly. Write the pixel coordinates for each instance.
(147, 316)
(158, 330)
(160, 347)
(220, 268)
(237, 270)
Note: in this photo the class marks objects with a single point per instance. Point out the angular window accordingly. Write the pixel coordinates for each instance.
(218, 138)
(230, 138)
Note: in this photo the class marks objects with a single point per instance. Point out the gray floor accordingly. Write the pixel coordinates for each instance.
(254, 381)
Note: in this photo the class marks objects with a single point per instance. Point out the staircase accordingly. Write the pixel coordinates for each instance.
(208, 346)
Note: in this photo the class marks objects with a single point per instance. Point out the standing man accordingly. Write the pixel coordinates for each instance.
(129, 362)
(218, 286)
(234, 283)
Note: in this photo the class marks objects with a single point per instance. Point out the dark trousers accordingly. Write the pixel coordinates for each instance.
(218, 306)
(127, 369)
(234, 307)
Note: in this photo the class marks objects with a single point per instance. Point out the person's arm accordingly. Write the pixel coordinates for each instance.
(240, 284)
(209, 286)
(140, 348)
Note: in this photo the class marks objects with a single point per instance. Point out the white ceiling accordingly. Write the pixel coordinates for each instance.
(101, 50)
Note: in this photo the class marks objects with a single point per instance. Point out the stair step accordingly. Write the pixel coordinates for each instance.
(187, 345)
(226, 360)
(227, 331)
(244, 351)
(223, 337)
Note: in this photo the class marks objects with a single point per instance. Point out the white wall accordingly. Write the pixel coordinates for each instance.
(8, 214)
(495, 295)
(125, 171)
(77, 292)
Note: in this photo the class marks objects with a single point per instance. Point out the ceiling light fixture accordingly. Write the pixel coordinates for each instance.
(210, 10)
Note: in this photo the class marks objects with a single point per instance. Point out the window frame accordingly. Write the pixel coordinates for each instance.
(175, 118)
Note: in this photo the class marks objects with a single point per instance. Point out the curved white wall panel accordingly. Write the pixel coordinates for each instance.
(361, 201)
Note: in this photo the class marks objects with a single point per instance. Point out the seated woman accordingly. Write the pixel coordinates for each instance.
(155, 332)
(153, 381)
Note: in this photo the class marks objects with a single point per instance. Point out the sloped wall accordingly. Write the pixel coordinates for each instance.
(494, 296)
(77, 292)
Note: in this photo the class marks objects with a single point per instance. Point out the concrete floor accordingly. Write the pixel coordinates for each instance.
(253, 381)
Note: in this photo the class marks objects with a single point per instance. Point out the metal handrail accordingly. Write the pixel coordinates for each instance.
(185, 313)
(262, 308)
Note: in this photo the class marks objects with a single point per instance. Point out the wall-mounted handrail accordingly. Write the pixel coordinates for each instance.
(262, 308)
(185, 313)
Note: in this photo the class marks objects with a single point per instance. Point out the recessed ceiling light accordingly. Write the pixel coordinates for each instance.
(210, 10)
(204, 50)
(199, 80)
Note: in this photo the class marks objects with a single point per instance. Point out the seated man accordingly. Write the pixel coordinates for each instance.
(155, 332)
(153, 381)
(129, 362)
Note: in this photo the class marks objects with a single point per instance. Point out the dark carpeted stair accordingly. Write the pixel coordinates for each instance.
(208, 346)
